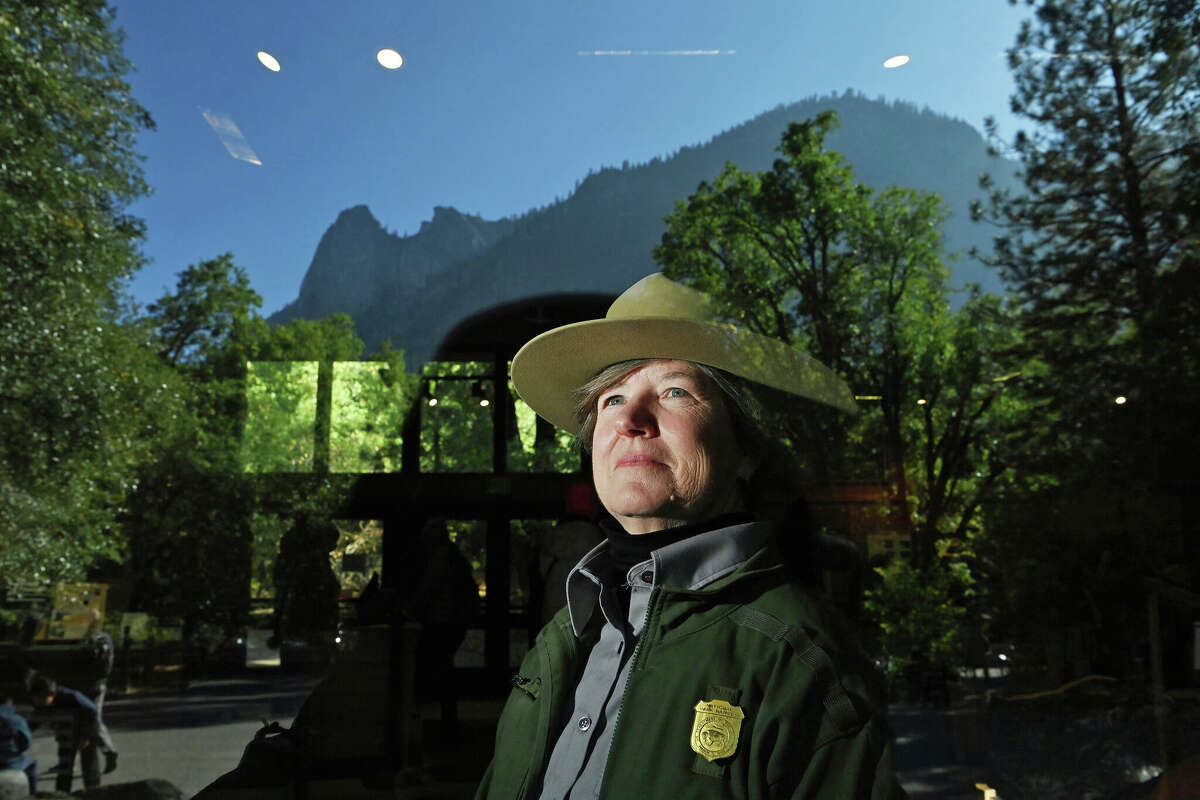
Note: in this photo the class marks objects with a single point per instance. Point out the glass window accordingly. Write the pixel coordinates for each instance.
(281, 413)
(536, 445)
(358, 554)
(367, 417)
(456, 417)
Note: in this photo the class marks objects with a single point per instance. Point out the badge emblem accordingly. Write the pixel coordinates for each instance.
(715, 731)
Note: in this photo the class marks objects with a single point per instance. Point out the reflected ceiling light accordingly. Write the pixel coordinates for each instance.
(389, 59)
(895, 61)
(477, 391)
(1121, 400)
(267, 60)
(231, 136)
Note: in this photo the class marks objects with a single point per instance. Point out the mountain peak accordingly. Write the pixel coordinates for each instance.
(446, 218)
(356, 215)
(600, 239)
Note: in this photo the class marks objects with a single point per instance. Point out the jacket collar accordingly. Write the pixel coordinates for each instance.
(690, 564)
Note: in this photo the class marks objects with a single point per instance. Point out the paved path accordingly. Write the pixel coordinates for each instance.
(191, 737)
(188, 738)
(926, 759)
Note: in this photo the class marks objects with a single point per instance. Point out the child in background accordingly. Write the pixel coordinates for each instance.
(15, 739)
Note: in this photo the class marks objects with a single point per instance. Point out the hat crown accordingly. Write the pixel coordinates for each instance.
(658, 296)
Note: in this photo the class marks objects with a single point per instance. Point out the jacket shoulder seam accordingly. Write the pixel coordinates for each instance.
(836, 701)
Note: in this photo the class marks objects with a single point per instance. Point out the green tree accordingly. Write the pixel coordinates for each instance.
(73, 416)
(920, 614)
(186, 525)
(1101, 245)
(1101, 250)
(804, 253)
(199, 526)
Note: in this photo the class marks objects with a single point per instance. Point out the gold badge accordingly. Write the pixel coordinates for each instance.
(715, 731)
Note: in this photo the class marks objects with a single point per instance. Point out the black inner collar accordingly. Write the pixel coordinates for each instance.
(627, 549)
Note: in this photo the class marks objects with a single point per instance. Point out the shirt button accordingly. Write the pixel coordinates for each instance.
(648, 577)
(584, 723)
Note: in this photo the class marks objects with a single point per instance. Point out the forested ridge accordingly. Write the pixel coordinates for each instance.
(600, 238)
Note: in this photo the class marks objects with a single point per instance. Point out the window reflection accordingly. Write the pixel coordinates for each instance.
(456, 430)
(537, 446)
(367, 417)
(281, 413)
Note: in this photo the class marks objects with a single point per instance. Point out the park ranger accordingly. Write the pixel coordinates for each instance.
(690, 661)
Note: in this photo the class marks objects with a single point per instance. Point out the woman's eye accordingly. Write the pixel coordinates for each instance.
(611, 400)
(675, 391)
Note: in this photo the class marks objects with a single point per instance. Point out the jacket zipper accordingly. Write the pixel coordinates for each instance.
(651, 610)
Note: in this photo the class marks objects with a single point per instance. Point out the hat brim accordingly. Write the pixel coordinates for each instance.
(550, 367)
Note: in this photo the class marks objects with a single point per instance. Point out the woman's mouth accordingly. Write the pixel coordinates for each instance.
(637, 460)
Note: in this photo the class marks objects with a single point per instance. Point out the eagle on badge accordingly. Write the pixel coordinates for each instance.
(716, 728)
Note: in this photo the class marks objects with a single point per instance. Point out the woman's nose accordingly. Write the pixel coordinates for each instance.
(637, 418)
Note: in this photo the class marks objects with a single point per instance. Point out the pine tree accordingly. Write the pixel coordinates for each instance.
(1101, 246)
(1102, 250)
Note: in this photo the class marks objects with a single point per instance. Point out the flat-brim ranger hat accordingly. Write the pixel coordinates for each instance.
(658, 318)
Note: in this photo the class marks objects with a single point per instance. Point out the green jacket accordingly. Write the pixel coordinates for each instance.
(755, 639)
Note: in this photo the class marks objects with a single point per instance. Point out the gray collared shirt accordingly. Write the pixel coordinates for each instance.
(577, 763)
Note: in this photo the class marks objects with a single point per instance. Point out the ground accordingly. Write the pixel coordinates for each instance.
(1070, 748)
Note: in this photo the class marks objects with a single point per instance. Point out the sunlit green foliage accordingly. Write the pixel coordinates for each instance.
(537, 446)
(369, 405)
(75, 405)
(456, 418)
(199, 528)
(805, 254)
(281, 414)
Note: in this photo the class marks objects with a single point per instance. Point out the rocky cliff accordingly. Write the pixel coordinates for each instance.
(358, 264)
(412, 290)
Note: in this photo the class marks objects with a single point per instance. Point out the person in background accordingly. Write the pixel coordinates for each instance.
(99, 653)
(15, 739)
(77, 728)
(306, 590)
(446, 602)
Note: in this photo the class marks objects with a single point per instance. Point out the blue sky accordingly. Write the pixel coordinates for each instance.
(499, 108)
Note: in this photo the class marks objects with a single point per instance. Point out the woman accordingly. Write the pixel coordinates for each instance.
(688, 661)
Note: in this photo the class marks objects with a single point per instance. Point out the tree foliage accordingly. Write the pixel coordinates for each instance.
(1101, 250)
(921, 614)
(197, 515)
(1101, 245)
(805, 254)
(75, 411)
